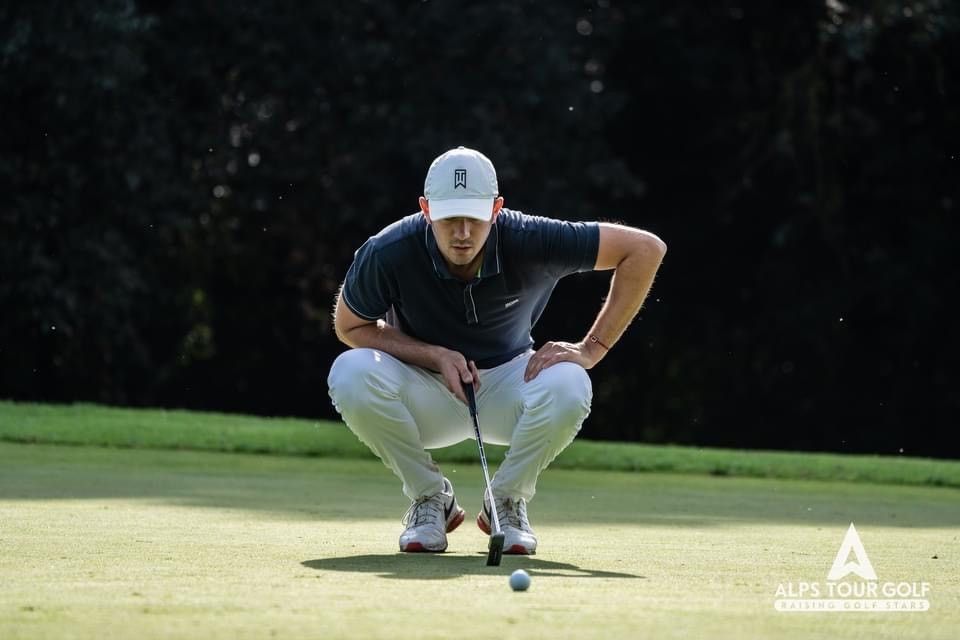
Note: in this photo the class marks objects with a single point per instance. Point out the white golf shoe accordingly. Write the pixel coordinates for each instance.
(429, 520)
(518, 537)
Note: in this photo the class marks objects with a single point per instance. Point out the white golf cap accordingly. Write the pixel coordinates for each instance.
(461, 182)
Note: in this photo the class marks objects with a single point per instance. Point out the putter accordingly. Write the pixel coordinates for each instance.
(495, 550)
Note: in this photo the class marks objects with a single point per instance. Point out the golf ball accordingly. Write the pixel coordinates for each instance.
(519, 580)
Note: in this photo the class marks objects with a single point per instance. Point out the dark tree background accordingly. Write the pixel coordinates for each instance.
(185, 183)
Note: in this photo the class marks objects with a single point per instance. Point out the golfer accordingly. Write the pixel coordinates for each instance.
(449, 295)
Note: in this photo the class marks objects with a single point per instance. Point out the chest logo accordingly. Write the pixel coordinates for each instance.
(460, 178)
(511, 303)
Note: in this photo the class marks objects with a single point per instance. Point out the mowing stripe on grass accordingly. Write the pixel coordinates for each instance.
(93, 425)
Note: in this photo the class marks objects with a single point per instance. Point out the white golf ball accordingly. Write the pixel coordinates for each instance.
(519, 580)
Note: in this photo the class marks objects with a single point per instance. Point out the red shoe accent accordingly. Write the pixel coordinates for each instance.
(457, 521)
(483, 524)
(413, 547)
(517, 549)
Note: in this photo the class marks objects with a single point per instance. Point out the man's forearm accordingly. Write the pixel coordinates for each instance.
(391, 340)
(629, 287)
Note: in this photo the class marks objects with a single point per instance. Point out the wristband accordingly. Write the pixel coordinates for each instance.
(595, 339)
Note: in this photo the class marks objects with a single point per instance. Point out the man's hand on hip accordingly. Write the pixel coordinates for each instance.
(582, 353)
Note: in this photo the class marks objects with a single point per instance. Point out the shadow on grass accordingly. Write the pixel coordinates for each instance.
(437, 566)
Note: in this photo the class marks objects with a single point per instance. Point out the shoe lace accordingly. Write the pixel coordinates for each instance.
(522, 516)
(423, 511)
(513, 513)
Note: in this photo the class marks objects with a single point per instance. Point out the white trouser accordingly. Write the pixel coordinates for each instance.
(401, 410)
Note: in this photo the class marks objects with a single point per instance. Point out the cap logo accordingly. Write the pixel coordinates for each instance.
(460, 178)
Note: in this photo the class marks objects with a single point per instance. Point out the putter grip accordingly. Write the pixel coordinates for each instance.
(471, 397)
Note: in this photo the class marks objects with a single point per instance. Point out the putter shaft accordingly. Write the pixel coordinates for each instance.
(495, 549)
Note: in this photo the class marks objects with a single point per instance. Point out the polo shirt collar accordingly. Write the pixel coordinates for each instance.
(491, 255)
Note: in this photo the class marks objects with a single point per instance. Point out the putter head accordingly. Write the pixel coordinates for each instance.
(495, 550)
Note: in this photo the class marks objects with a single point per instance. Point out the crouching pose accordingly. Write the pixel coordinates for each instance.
(449, 295)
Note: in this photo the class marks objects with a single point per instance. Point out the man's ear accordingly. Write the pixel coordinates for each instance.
(425, 208)
(497, 205)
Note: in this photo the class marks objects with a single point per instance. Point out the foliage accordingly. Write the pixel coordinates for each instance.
(188, 183)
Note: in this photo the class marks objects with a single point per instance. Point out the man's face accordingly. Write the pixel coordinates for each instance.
(461, 239)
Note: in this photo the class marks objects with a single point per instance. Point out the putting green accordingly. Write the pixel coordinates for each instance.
(133, 543)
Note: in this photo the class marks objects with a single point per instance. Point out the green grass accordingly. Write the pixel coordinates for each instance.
(121, 543)
(158, 429)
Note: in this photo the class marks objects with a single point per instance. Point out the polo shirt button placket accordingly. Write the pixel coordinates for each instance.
(469, 304)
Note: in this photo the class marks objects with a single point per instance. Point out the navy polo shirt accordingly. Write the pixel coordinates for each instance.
(401, 272)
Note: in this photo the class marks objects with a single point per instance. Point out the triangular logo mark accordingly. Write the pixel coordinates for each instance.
(861, 564)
